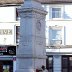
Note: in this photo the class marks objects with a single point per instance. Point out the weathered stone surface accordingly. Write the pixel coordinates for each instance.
(31, 53)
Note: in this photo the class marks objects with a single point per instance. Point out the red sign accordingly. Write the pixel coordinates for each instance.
(2, 49)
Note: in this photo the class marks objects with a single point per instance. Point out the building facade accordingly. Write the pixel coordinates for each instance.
(58, 34)
(9, 37)
(58, 37)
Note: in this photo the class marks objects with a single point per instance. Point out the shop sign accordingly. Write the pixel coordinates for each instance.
(11, 50)
(3, 49)
(5, 31)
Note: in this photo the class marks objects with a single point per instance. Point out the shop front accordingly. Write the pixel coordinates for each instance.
(7, 58)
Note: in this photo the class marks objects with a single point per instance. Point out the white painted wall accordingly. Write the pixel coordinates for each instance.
(8, 21)
(7, 37)
(7, 14)
(66, 10)
(65, 21)
(66, 32)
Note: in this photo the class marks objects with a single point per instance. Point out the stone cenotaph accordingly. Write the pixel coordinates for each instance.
(31, 53)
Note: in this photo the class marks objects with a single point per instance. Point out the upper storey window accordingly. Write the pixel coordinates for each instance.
(56, 12)
(55, 35)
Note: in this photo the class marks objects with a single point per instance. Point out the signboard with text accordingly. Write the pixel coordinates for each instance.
(7, 34)
(11, 50)
(3, 49)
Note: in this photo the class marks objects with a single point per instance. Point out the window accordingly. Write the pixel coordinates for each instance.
(55, 35)
(56, 12)
(17, 34)
(49, 63)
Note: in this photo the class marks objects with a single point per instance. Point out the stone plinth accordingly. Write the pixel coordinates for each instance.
(31, 52)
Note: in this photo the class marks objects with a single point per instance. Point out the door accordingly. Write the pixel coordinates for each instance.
(1, 67)
(66, 63)
(6, 66)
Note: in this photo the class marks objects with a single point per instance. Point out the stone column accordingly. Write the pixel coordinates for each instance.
(31, 52)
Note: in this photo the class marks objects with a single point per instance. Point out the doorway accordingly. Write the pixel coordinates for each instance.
(6, 66)
(66, 63)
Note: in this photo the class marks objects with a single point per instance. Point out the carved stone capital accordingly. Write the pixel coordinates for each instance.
(31, 12)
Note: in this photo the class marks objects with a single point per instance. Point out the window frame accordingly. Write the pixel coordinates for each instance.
(56, 12)
(51, 28)
(56, 6)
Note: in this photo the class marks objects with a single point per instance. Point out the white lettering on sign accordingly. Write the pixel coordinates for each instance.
(5, 31)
